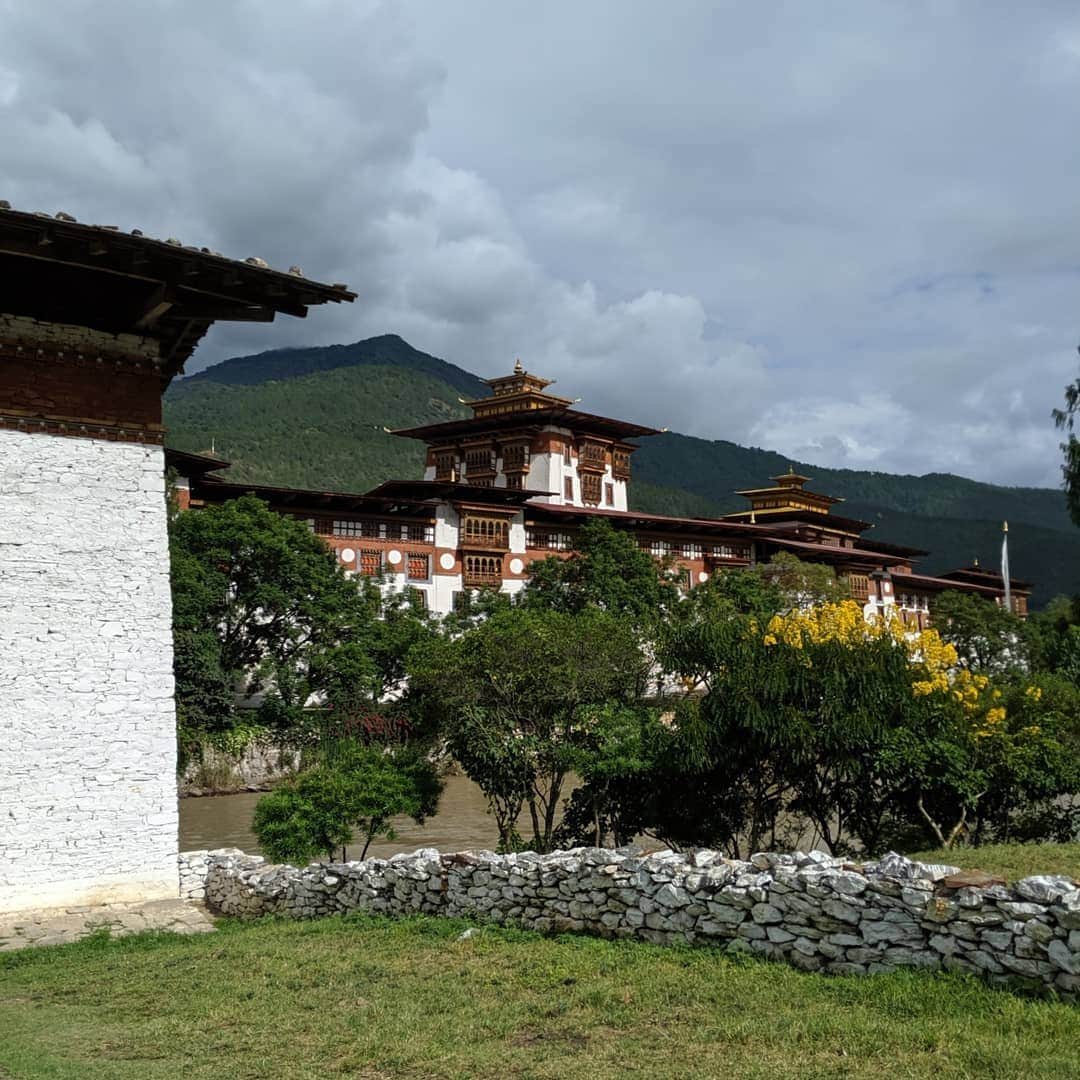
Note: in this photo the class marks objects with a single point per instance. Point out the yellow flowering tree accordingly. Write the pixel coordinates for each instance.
(815, 718)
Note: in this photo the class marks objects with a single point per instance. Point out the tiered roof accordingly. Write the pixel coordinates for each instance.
(57, 269)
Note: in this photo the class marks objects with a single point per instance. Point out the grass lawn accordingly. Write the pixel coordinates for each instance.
(368, 997)
(1011, 861)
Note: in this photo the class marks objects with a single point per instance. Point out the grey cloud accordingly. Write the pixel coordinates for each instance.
(849, 234)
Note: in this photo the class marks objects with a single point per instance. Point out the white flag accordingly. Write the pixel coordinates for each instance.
(1005, 565)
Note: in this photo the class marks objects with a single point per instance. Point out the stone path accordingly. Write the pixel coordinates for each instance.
(58, 926)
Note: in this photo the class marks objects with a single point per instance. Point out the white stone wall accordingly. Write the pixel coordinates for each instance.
(87, 723)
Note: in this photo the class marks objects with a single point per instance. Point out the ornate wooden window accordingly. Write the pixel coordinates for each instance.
(515, 457)
(482, 572)
(322, 526)
(514, 481)
(609, 494)
(489, 532)
(419, 566)
(590, 488)
(860, 587)
(446, 464)
(568, 489)
(479, 461)
(620, 464)
(592, 454)
(370, 562)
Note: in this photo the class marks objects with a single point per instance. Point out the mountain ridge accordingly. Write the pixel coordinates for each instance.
(315, 417)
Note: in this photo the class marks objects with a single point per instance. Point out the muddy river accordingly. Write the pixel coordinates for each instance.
(462, 822)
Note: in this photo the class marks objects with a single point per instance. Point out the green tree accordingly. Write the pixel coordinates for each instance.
(607, 571)
(1065, 419)
(261, 606)
(518, 697)
(353, 791)
(803, 583)
(986, 637)
(1054, 638)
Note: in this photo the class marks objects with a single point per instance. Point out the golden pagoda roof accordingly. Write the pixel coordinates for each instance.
(793, 485)
(519, 391)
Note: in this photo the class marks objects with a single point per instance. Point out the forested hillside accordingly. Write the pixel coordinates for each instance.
(316, 418)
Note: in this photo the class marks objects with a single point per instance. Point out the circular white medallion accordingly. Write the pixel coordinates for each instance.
(347, 554)
(703, 577)
(446, 560)
(516, 566)
(393, 556)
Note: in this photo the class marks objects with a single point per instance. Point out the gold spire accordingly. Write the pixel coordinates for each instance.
(518, 369)
(976, 562)
(1004, 526)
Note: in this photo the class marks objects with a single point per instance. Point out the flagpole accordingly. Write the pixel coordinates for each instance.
(1005, 565)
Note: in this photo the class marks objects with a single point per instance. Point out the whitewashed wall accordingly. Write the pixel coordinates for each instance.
(87, 722)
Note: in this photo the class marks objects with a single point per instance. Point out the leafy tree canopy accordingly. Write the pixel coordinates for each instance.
(1065, 419)
(986, 637)
(261, 606)
(607, 571)
(354, 790)
(519, 695)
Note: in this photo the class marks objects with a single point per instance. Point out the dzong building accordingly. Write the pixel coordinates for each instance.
(515, 482)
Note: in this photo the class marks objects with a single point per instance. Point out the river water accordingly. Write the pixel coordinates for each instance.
(462, 823)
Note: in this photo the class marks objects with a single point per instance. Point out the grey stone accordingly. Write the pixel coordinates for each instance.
(1020, 910)
(985, 961)
(1057, 952)
(778, 935)
(998, 940)
(1044, 889)
(844, 911)
(1038, 931)
(845, 940)
(672, 896)
(944, 944)
(724, 914)
(766, 913)
(846, 882)
(1033, 969)
(874, 933)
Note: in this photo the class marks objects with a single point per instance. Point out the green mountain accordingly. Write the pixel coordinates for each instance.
(317, 418)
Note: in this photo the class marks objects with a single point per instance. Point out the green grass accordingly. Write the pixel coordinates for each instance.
(1011, 861)
(366, 997)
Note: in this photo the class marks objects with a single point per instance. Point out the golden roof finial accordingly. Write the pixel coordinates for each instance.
(976, 562)
(518, 369)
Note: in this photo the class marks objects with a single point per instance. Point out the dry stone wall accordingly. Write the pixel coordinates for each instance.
(808, 909)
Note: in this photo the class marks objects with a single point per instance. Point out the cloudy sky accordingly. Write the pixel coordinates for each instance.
(846, 231)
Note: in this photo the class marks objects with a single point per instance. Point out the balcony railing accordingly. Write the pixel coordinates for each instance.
(481, 579)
